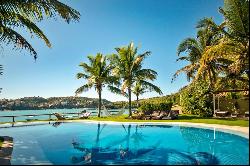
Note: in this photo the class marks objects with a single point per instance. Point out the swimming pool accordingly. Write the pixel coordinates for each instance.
(100, 143)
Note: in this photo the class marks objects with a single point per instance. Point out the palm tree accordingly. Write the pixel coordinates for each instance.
(207, 36)
(234, 44)
(142, 87)
(128, 67)
(24, 14)
(194, 49)
(98, 73)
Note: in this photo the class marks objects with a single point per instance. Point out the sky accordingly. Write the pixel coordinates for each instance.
(153, 25)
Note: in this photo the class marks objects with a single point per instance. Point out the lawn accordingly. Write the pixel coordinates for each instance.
(182, 118)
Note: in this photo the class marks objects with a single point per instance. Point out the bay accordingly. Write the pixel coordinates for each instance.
(46, 111)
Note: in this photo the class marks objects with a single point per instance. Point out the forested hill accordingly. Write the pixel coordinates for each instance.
(30, 103)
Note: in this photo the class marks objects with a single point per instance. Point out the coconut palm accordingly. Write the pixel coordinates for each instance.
(234, 45)
(142, 87)
(194, 49)
(24, 14)
(128, 67)
(97, 73)
(207, 35)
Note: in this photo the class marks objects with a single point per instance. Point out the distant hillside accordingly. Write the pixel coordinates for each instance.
(29, 103)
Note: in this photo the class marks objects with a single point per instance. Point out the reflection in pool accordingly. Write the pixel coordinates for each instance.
(90, 143)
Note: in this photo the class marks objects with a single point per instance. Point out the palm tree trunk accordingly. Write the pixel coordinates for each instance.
(210, 80)
(129, 101)
(137, 100)
(100, 102)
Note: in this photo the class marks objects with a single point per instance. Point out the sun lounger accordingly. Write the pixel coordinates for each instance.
(62, 117)
(158, 115)
(173, 114)
(222, 113)
(85, 115)
(138, 116)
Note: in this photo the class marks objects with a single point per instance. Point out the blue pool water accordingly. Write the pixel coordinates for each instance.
(95, 143)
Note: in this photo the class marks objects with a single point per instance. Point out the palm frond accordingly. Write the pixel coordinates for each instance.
(39, 9)
(146, 74)
(116, 90)
(189, 70)
(10, 36)
(17, 20)
(236, 13)
(82, 75)
(24, 14)
(151, 87)
(83, 88)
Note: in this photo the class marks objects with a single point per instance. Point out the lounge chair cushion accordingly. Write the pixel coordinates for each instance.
(85, 115)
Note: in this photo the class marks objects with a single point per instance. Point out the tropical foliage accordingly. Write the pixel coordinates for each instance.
(148, 108)
(196, 99)
(128, 67)
(24, 14)
(219, 56)
(141, 88)
(98, 74)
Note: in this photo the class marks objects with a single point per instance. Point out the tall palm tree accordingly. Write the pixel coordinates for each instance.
(194, 49)
(142, 87)
(128, 67)
(234, 45)
(25, 14)
(207, 35)
(98, 73)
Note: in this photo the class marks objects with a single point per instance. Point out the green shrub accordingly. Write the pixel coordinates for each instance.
(148, 108)
(196, 99)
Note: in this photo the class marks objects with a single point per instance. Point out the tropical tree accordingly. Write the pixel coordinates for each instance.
(128, 67)
(97, 73)
(141, 88)
(24, 14)
(232, 50)
(195, 49)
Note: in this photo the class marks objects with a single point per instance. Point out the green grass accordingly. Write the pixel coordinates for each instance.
(1, 141)
(182, 118)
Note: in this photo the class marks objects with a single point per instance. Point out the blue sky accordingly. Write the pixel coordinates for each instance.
(153, 25)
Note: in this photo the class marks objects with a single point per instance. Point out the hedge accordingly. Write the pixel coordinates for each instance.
(148, 108)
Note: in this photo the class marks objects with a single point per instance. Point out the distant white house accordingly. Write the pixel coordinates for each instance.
(64, 103)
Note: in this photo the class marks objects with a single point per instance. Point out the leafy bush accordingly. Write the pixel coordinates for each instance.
(148, 108)
(196, 99)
